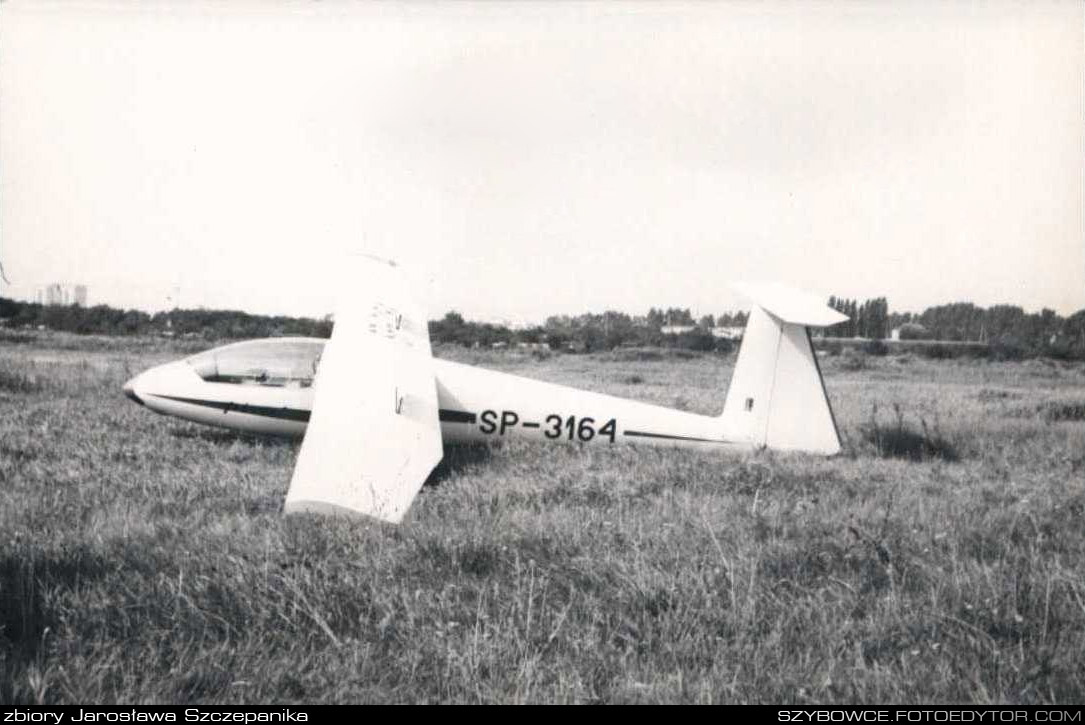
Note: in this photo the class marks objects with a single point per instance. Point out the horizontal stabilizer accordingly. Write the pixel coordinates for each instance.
(791, 305)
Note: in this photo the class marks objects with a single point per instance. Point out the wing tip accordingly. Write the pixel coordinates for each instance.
(325, 508)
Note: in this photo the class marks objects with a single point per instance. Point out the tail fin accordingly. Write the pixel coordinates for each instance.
(777, 397)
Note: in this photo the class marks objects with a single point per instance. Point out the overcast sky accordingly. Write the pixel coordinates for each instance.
(527, 159)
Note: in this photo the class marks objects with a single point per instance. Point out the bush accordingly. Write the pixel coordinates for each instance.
(939, 352)
(913, 331)
(853, 361)
(1007, 347)
(636, 354)
(697, 340)
(900, 440)
(1065, 351)
(1065, 410)
(14, 380)
(943, 351)
(877, 348)
(15, 338)
(830, 346)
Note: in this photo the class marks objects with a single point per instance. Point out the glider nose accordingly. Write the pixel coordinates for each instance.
(130, 390)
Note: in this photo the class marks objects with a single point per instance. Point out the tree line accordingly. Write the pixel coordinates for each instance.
(870, 319)
(1006, 328)
(208, 324)
(589, 332)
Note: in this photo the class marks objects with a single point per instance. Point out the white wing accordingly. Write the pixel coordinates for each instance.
(373, 435)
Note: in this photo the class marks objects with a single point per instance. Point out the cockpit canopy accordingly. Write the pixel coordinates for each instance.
(278, 362)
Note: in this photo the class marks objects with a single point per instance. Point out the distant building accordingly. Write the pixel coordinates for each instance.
(511, 323)
(54, 294)
(676, 329)
(59, 294)
(728, 332)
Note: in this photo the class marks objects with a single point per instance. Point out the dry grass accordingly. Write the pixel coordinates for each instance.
(143, 559)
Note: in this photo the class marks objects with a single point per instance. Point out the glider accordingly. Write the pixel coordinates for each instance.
(375, 418)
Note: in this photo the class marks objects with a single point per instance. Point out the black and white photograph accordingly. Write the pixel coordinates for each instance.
(542, 352)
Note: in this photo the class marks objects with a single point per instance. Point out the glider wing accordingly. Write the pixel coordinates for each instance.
(373, 435)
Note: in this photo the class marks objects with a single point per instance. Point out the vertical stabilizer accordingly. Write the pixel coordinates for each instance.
(777, 397)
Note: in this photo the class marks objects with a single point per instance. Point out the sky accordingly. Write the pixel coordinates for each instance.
(537, 158)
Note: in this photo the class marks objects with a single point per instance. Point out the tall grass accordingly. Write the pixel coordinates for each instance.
(143, 559)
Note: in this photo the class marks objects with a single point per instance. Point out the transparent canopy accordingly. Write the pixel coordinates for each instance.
(280, 362)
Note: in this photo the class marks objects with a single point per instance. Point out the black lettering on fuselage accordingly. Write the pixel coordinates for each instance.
(508, 420)
(572, 428)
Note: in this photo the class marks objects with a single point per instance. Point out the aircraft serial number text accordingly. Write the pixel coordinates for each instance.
(554, 426)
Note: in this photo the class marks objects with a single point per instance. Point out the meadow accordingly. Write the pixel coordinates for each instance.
(939, 559)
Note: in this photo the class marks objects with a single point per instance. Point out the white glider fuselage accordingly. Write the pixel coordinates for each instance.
(499, 405)
(475, 405)
(375, 418)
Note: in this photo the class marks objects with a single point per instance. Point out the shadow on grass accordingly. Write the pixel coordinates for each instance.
(221, 436)
(17, 381)
(900, 440)
(1058, 411)
(458, 459)
(22, 608)
(908, 444)
(30, 577)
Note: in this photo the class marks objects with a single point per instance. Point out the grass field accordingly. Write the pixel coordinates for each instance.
(941, 558)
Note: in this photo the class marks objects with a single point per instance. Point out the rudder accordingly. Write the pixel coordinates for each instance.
(777, 397)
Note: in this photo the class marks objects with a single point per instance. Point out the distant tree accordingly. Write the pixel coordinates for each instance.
(913, 331)
(896, 319)
(678, 316)
(696, 339)
(532, 335)
(557, 339)
(8, 308)
(731, 319)
(617, 328)
(559, 331)
(452, 330)
(1069, 342)
(876, 318)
